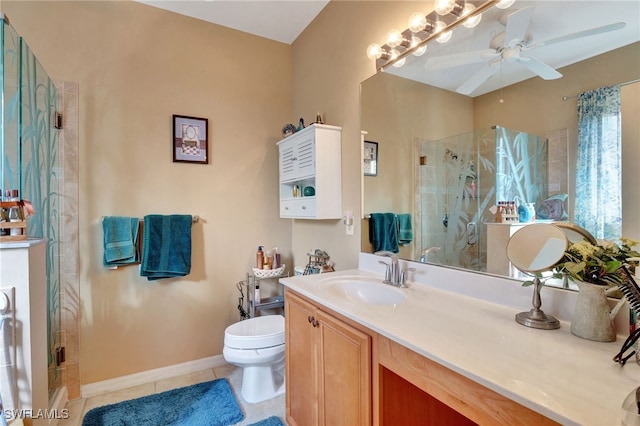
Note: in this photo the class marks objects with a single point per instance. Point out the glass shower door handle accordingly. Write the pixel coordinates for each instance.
(472, 233)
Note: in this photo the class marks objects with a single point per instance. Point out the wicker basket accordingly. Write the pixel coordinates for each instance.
(267, 273)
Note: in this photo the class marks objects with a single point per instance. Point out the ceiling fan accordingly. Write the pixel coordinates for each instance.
(511, 45)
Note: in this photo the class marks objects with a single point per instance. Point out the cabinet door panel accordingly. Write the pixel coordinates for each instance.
(344, 373)
(302, 396)
(287, 164)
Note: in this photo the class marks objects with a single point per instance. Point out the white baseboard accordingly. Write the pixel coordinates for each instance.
(148, 376)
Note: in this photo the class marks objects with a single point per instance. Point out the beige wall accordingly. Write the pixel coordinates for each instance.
(136, 66)
(630, 101)
(330, 61)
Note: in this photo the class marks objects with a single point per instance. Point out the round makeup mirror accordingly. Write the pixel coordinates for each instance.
(575, 233)
(533, 249)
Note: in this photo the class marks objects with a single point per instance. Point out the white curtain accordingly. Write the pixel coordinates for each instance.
(598, 205)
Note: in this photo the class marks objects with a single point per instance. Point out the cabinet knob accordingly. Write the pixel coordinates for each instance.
(310, 319)
(304, 207)
(315, 323)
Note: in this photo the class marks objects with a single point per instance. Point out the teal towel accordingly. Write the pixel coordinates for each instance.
(383, 232)
(405, 229)
(166, 246)
(120, 240)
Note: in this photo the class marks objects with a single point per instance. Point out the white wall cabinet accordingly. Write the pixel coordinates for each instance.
(311, 158)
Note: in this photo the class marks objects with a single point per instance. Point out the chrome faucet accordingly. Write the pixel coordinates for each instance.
(425, 254)
(394, 275)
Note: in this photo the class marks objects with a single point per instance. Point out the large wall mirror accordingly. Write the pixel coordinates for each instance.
(441, 153)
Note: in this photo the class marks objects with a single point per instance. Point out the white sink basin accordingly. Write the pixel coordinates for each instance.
(364, 290)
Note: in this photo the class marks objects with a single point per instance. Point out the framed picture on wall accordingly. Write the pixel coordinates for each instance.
(190, 140)
(370, 158)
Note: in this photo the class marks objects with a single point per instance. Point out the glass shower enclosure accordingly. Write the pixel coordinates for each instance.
(469, 173)
(29, 163)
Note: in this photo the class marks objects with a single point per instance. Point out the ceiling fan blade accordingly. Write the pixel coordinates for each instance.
(543, 70)
(579, 34)
(476, 80)
(517, 26)
(458, 59)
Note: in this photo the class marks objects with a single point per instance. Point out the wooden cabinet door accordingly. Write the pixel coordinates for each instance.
(301, 362)
(344, 373)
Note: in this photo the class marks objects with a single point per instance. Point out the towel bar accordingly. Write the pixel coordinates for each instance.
(194, 219)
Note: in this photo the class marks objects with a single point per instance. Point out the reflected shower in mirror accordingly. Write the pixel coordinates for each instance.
(406, 116)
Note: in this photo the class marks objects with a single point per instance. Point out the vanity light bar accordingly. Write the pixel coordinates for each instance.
(451, 20)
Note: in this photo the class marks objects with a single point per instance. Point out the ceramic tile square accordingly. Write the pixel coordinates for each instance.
(71, 379)
(76, 411)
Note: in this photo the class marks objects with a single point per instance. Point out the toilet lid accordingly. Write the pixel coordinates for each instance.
(256, 333)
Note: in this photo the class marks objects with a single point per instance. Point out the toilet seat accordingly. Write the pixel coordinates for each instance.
(255, 333)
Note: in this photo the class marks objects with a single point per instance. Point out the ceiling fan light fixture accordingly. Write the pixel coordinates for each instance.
(504, 4)
(472, 21)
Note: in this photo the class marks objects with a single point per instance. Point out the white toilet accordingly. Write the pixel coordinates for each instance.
(257, 345)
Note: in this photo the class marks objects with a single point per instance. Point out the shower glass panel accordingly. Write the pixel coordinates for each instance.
(30, 161)
(468, 174)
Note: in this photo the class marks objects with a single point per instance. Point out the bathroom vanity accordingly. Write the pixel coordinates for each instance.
(448, 351)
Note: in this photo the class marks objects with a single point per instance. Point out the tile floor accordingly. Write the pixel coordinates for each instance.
(253, 412)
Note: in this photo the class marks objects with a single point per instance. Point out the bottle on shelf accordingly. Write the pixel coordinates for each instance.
(256, 294)
(259, 258)
(268, 260)
(276, 258)
(15, 213)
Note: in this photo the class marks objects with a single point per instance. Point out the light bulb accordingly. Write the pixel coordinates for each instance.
(444, 7)
(394, 38)
(503, 4)
(472, 21)
(444, 36)
(417, 22)
(374, 51)
(420, 50)
(393, 55)
(400, 63)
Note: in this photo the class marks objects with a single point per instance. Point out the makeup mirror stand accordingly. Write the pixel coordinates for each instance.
(536, 318)
(534, 249)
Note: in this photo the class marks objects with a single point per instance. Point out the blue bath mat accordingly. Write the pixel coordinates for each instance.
(204, 404)
(271, 421)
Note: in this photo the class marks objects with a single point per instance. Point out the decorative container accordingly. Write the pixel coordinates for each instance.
(592, 317)
(268, 273)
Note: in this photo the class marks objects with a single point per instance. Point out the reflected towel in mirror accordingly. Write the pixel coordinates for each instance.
(405, 229)
(383, 232)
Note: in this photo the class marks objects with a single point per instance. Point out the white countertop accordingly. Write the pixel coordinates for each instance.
(29, 242)
(566, 378)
